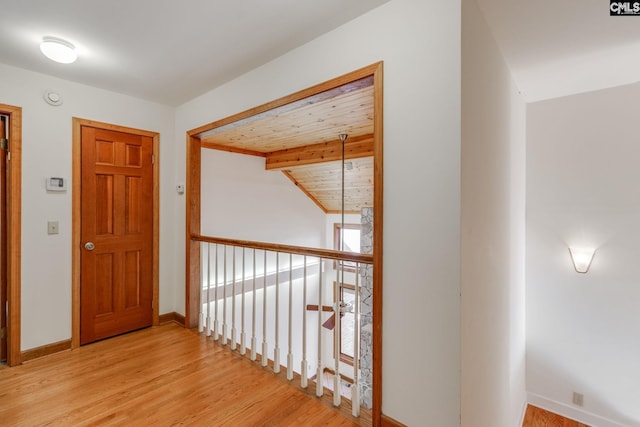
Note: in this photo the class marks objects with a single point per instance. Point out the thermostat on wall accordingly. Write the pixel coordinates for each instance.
(56, 184)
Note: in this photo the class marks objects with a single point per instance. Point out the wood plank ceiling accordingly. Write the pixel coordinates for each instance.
(301, 140)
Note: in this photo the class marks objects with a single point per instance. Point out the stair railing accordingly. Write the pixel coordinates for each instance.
(239, 272)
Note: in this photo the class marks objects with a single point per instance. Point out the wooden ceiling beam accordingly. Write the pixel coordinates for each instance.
(319, 153)
(231, 149)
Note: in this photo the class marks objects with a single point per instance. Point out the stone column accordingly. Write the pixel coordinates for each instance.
(366, 312)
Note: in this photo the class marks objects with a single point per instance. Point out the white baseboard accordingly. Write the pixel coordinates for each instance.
(570, 412)
(523, 413)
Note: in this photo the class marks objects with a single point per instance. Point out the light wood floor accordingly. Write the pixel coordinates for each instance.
(537, 417)
(159, 376)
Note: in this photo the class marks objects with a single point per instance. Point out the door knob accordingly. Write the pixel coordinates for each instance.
(89, 246)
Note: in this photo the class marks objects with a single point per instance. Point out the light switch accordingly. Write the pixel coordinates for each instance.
(52, 227)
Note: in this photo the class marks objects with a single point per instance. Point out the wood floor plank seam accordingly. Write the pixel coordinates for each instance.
(164, 375)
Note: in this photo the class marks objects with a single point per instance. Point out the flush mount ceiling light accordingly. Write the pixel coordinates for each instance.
(58, 50)
(582, 258)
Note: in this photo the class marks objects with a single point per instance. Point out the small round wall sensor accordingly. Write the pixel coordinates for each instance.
(52, 97)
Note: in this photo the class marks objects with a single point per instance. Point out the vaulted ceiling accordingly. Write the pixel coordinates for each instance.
(171, 52)
(165, 50)
(558, 48)
(302, 140)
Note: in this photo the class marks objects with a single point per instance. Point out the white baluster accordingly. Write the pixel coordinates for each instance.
(208, 327)
(216, 330)
(355, 388)
(224, 297)
(319, 386)
(243, 335)
(201, 320)
(303, 369)
(276, 350)
(253, 311)
(337, 308)
(290, 354)
(233, 300)
(265, 357)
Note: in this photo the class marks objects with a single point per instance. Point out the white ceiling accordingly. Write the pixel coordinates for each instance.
(165, 50)
(170, 52)
(562, 47)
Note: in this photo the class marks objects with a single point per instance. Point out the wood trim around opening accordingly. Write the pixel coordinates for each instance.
(75, 239)
(192, 256)
(370, 70)
(194, 145)
(14, 202)
(376, 412)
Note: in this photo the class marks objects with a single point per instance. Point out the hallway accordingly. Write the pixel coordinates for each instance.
(158, 376)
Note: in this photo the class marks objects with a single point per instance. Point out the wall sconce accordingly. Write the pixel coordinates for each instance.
(581, 258)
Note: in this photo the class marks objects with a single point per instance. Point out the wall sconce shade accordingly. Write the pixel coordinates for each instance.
(58, 50)
(581, 258)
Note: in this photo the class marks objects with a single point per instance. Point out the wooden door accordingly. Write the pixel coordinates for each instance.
(3, 241)
(116, 285)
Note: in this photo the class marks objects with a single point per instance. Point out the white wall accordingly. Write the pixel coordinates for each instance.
(242, 200)
(47, 142)
(493, 224)
(419, 40)
(583, 188)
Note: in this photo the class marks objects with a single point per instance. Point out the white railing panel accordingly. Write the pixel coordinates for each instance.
(247, 292)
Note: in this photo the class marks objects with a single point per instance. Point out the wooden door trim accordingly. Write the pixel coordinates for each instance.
(76, 235)
(377, 242)
(193, 202)
(14, 201)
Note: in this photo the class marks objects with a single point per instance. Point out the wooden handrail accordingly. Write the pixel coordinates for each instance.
(297, 250)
